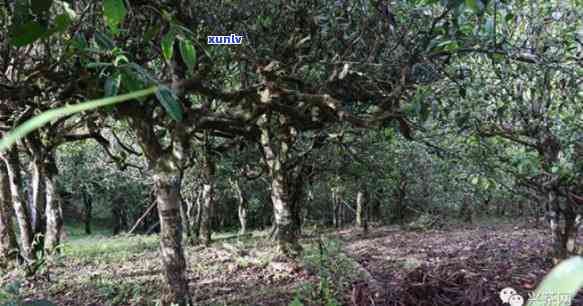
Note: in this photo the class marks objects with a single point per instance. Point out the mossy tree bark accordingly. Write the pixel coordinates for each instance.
(54, 212)
(37, 205)
(167, 181)
(276, 154)
(242, 204)
(166, 164)
(562, 237)
(38, 202)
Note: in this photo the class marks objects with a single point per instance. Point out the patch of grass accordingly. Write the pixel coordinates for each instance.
(117, 292)
(108, 249)
(76, 230)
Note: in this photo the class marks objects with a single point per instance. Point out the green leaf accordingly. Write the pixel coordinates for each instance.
(168, 45)
(98, 65)
(170, 103)
(509, 17)
(152, 32)
(141, 73)
(40, 6)
(131, 82)
(26, 33)
(296, 302)
(62, 22)
(114, 12)
(476, 5)
(120, 58)
(564, 280)
(54, 114)
(188, 53)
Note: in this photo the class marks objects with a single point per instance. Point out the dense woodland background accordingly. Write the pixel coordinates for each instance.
(416, 152)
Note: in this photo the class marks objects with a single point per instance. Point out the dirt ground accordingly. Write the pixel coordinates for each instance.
(463, 266)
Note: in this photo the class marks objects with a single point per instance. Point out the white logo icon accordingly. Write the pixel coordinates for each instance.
(516, 300)
(510, 296)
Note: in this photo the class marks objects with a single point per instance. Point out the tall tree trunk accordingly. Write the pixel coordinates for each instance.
(116, 217)
(243, 216)
(166, 164)
(184, 218)
(276, 152)
(242, 205)
(569, 237)
(208, 195)
(297, 192)
(198, 219)
(184, 206)
(39, 198)
(466, 210)
(362, 209)
(88, 204)
(8, 245)
(486, 205)
(335, 208)
(376, 210)
(12, 163)
(553, 211)
(549, 149)
(38, 193)
(167, 186)
(286, 231)
(54, 211)
(206, 214)
(338, 209)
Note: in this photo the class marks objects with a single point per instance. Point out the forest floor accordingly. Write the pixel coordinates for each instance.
(465, 265)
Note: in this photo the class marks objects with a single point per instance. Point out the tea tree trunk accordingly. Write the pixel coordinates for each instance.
(88, 205)
(166, 167)
(39, 197)
(173, 260)
(208, 195)
(276, 151)
(54, 213)
(242, 205)
(12, 163)
(206, 214)
(362, 210)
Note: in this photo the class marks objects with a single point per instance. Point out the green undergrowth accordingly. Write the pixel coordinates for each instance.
(125, 269)
(77, 230)
(109, 249)
(336, 272)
